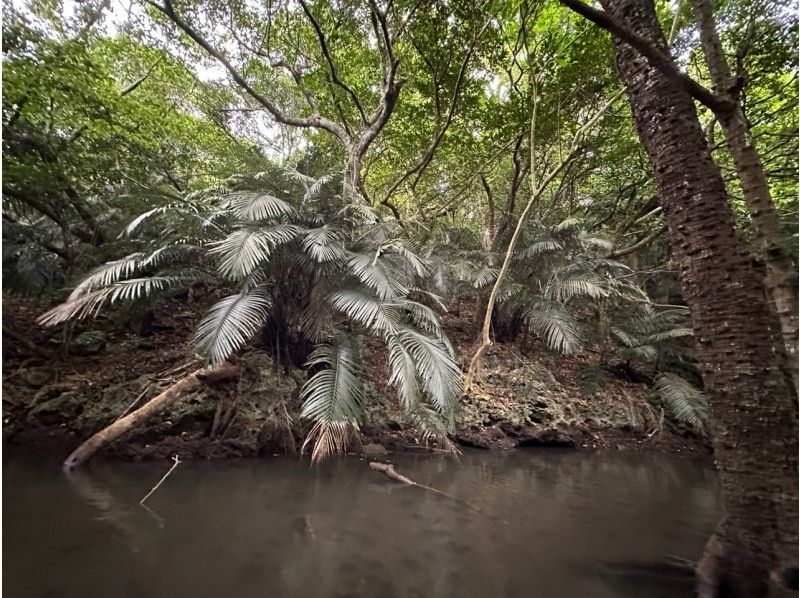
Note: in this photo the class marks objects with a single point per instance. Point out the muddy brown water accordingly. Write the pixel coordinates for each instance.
(545, 523)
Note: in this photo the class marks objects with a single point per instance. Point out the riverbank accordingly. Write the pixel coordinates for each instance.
(59, 390)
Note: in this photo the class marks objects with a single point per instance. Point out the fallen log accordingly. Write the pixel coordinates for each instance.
(185, 385)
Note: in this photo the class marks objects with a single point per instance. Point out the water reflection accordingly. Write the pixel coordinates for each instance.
(544, 523)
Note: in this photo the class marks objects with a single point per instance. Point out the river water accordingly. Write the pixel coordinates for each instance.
(544, 523)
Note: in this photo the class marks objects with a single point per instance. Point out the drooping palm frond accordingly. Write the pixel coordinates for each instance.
(648, 335)
(441, 378)
(563, 289)
(683, 401)
(230, 323)
(367, 310)
(316, 187)
(484, 277)
(89, 303)
(372, 273)
(591, 240)
(108, 273)
(332, 397)
(541, 246)
(397, 246)
(567, 224)
(245, 248)
(116, 270)
(254, 206)
(323, 244)
(434, 429)
(555, 326)
(403, 374)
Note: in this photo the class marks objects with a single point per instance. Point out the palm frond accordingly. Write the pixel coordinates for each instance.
(230, 323)
(323, 244)
(670, 334)
(245, 248)
(683, 401)
(541, 246)
(416, 262)
(332, 397)
(562, 289)
(484, 277)
(555, 326)
(403, 374)
(108, 273)
(367, 310)
(316, 187)
(441, 377)
(373, 274)
(599, 242)
(567, 224)
(248, 205)
(89, 303)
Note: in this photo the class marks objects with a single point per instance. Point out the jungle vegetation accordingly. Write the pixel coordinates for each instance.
(345, 170)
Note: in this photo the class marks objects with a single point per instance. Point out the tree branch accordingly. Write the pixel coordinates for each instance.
(654, 56)
(316, 121)
(638, 245)
(334, 76)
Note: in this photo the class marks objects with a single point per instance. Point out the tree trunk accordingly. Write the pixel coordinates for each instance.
(187, 384)
(752, 399)
(781, 278)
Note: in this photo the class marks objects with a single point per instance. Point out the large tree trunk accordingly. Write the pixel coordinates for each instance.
(781, 278)
(752, 400)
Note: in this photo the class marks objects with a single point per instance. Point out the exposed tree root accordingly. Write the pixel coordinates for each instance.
(187, 384)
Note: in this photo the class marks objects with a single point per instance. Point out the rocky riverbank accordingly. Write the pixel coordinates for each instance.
(526, 397)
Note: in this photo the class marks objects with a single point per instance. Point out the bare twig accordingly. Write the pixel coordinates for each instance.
(175, 462)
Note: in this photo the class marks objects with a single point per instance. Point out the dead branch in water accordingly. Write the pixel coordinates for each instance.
(390, 472)
(175, 462)
(185, 385)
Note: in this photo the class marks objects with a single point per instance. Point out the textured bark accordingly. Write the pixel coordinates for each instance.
(752, 399)
(781, 277)
(125, 424)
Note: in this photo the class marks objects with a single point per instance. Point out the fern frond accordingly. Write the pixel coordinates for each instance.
(230, 323)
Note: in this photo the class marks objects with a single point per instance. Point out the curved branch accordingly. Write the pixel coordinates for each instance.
(335, 79)
(654, 56)
(316, 121)
(638, 245)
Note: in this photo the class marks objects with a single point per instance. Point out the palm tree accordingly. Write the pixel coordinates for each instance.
(311, 270)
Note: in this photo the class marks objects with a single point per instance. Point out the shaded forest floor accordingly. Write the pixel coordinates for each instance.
(59, 388)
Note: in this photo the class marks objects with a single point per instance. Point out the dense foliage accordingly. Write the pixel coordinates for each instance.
(345, 170)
